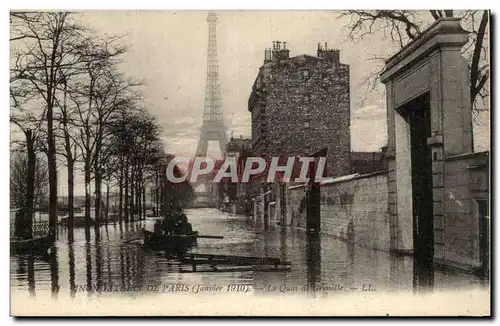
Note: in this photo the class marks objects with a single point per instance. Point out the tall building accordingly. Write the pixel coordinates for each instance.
(213, 126)
(301, 104)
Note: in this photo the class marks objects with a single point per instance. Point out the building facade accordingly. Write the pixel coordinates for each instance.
(301, 104)
(236, 194)
(239, 148)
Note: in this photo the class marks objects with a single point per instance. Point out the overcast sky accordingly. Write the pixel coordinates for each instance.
(167, 52)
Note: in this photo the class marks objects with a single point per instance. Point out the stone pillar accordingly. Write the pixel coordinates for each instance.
(431, 64)
(391, 166)
(404, 196)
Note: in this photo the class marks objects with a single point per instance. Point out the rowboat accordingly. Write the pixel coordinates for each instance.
(170, 242)
(39, 244)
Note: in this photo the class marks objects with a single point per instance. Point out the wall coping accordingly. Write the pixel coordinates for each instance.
(355, 177)
(446, 31)
(344, 178)
(466, 155)
(296, 186)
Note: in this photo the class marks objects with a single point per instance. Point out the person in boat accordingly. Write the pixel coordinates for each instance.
(158, 227)
(182, 226)
(171, 219)
(168, 224)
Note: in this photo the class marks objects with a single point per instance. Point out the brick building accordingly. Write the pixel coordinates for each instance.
(301, 104)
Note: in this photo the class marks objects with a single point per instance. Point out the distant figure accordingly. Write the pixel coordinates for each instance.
(247, 206)
(227, 203)
(158, 227)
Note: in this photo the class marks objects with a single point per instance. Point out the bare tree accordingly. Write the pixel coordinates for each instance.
(28, 188)
(139, 152)
(403, 26)
(29, 123)
(48, 45)
(95, 95)
(86, 111)
(110, 98)
(108, 94)
(66, 133)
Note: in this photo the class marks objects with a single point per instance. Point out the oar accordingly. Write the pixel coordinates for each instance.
(134, 239)
(211, 236)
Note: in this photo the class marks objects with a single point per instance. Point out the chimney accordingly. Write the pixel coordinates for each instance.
(280, 53)
(320, 51)
(267, 55)
(332, 55)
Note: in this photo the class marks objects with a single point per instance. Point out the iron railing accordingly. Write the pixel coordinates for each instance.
(39, 229)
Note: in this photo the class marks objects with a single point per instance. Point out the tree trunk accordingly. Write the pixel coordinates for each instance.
(52, 166)
(163, 197)
(107, 202)
(97, 187)
(139, 200)
(71, 210)
(30, 184)
(138, 195)
(126, 206)
(132, 196)
(97, 172)
(143, 202)
(87, 193)
(69, 163)
(120, 190)
(157, 192)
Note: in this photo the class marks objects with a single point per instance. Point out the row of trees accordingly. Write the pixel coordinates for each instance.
(75, 108)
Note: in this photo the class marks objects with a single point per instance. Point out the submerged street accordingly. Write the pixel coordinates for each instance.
(325, 265)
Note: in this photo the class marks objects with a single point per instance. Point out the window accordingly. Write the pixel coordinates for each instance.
(305, 74)
(307, 98)
(306, 124)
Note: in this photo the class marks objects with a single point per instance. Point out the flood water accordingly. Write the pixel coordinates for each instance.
(113, 258)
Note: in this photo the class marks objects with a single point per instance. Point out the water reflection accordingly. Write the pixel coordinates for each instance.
(31, 275)
(88, 261)
(423, 277)
(84, 261)
(71, 263)
(313, 260)
(54, 272)
(98, 260)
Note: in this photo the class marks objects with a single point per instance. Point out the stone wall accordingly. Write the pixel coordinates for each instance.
(356, 210)
(295, 207)
(457, 231)
(258, 210)
(353, 208)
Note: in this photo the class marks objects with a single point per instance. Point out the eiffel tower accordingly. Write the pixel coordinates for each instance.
(213, 127)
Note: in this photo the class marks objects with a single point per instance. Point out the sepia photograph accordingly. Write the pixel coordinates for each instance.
(249, 163)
